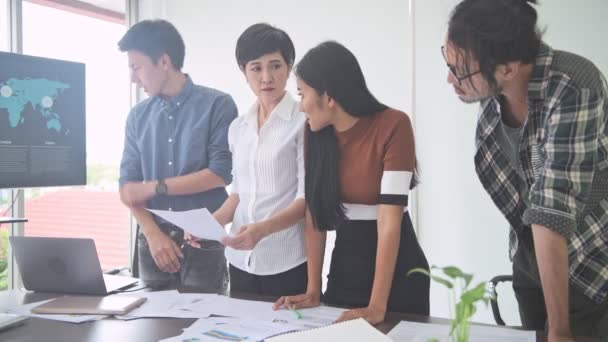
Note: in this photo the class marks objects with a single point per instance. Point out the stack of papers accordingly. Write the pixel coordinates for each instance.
(250, 309)
(244, 319)
(357, 330)
(170, 304)
(423, 332)
(218, 329)
(255, 320)
(250, 320)
(310, 318)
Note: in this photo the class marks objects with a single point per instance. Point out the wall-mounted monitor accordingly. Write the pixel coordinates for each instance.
(42, 122)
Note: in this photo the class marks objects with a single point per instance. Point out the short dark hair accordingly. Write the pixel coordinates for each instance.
(261, 39)
(494, 32)
(330, 68)
(155, 38)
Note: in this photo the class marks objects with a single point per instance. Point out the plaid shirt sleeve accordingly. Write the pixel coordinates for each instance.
(570, 144)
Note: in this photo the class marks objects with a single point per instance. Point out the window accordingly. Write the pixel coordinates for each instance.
(88, 34)
(4, 194)
(5, 201)
(4, 28)
(6, 210)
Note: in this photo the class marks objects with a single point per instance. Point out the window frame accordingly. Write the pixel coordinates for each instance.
(15, 39)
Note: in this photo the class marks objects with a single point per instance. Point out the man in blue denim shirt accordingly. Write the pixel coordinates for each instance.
(176, 157)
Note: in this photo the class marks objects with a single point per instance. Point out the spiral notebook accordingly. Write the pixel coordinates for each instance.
(357, 330)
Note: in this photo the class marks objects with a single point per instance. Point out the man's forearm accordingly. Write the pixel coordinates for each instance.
(146, 223)
(193, 183)
(552, 258)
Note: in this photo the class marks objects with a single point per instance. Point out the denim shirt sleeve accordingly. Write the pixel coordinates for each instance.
(220, 158)
(130, 165)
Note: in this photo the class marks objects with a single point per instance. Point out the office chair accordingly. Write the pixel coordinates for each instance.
(493, 283)
(135, 264)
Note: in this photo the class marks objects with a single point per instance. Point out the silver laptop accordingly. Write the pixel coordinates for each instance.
(63, 265)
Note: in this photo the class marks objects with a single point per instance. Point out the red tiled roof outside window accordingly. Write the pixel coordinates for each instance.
(83, 213)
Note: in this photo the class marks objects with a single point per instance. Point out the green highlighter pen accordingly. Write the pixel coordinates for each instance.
(298, 315)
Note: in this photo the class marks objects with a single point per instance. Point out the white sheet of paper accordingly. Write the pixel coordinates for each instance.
(232, 329)
(24, 310)
(250, 309)
(12, 299)
(169, 304)
(356, 330)
(200, 325)
(310, 318)
(232, 307)
(209, 322)
(422, 332)
(198, 222)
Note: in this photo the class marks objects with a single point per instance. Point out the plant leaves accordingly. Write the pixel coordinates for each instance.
(443, 281)
(475, 294)
(464, 311)
(419, 270)
(453, 326)
(454, 272)
(435, 278)
(466, 307)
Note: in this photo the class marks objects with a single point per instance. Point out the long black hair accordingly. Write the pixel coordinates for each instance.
(330, 68)
(493, 33)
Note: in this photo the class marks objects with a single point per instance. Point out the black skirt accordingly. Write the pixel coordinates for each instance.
(353, 264)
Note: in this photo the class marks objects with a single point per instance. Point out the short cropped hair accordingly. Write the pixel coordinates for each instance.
(261, 39)
(155, 38)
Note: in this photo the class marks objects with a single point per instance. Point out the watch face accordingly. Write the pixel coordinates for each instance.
(161, 188)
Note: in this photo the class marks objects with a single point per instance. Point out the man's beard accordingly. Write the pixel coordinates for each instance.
(478, 97)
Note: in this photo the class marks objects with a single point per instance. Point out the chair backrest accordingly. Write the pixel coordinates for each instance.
(493, 284)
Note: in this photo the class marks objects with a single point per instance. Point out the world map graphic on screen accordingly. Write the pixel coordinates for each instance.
(40, 93)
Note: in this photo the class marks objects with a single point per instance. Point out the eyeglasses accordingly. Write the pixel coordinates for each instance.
(453, 69)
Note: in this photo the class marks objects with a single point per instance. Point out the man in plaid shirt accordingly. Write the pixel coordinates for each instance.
(542, 155)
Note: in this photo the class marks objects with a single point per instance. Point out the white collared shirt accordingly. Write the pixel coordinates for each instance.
(268, 176)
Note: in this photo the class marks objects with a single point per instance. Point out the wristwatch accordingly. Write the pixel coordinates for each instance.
(161, 187)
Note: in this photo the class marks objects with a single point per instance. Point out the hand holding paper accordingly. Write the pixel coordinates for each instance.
(245, 239)
(198, 222)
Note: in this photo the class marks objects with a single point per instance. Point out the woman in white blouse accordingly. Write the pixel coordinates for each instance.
(266, 248)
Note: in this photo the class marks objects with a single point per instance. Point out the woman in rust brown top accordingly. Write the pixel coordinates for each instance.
(360, 162)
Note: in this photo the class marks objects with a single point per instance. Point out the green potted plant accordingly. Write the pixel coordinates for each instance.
(458, 284)
(3, 260)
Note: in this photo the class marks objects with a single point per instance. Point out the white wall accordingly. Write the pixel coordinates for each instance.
(211, 28)
(577, 26)
(457, 222)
